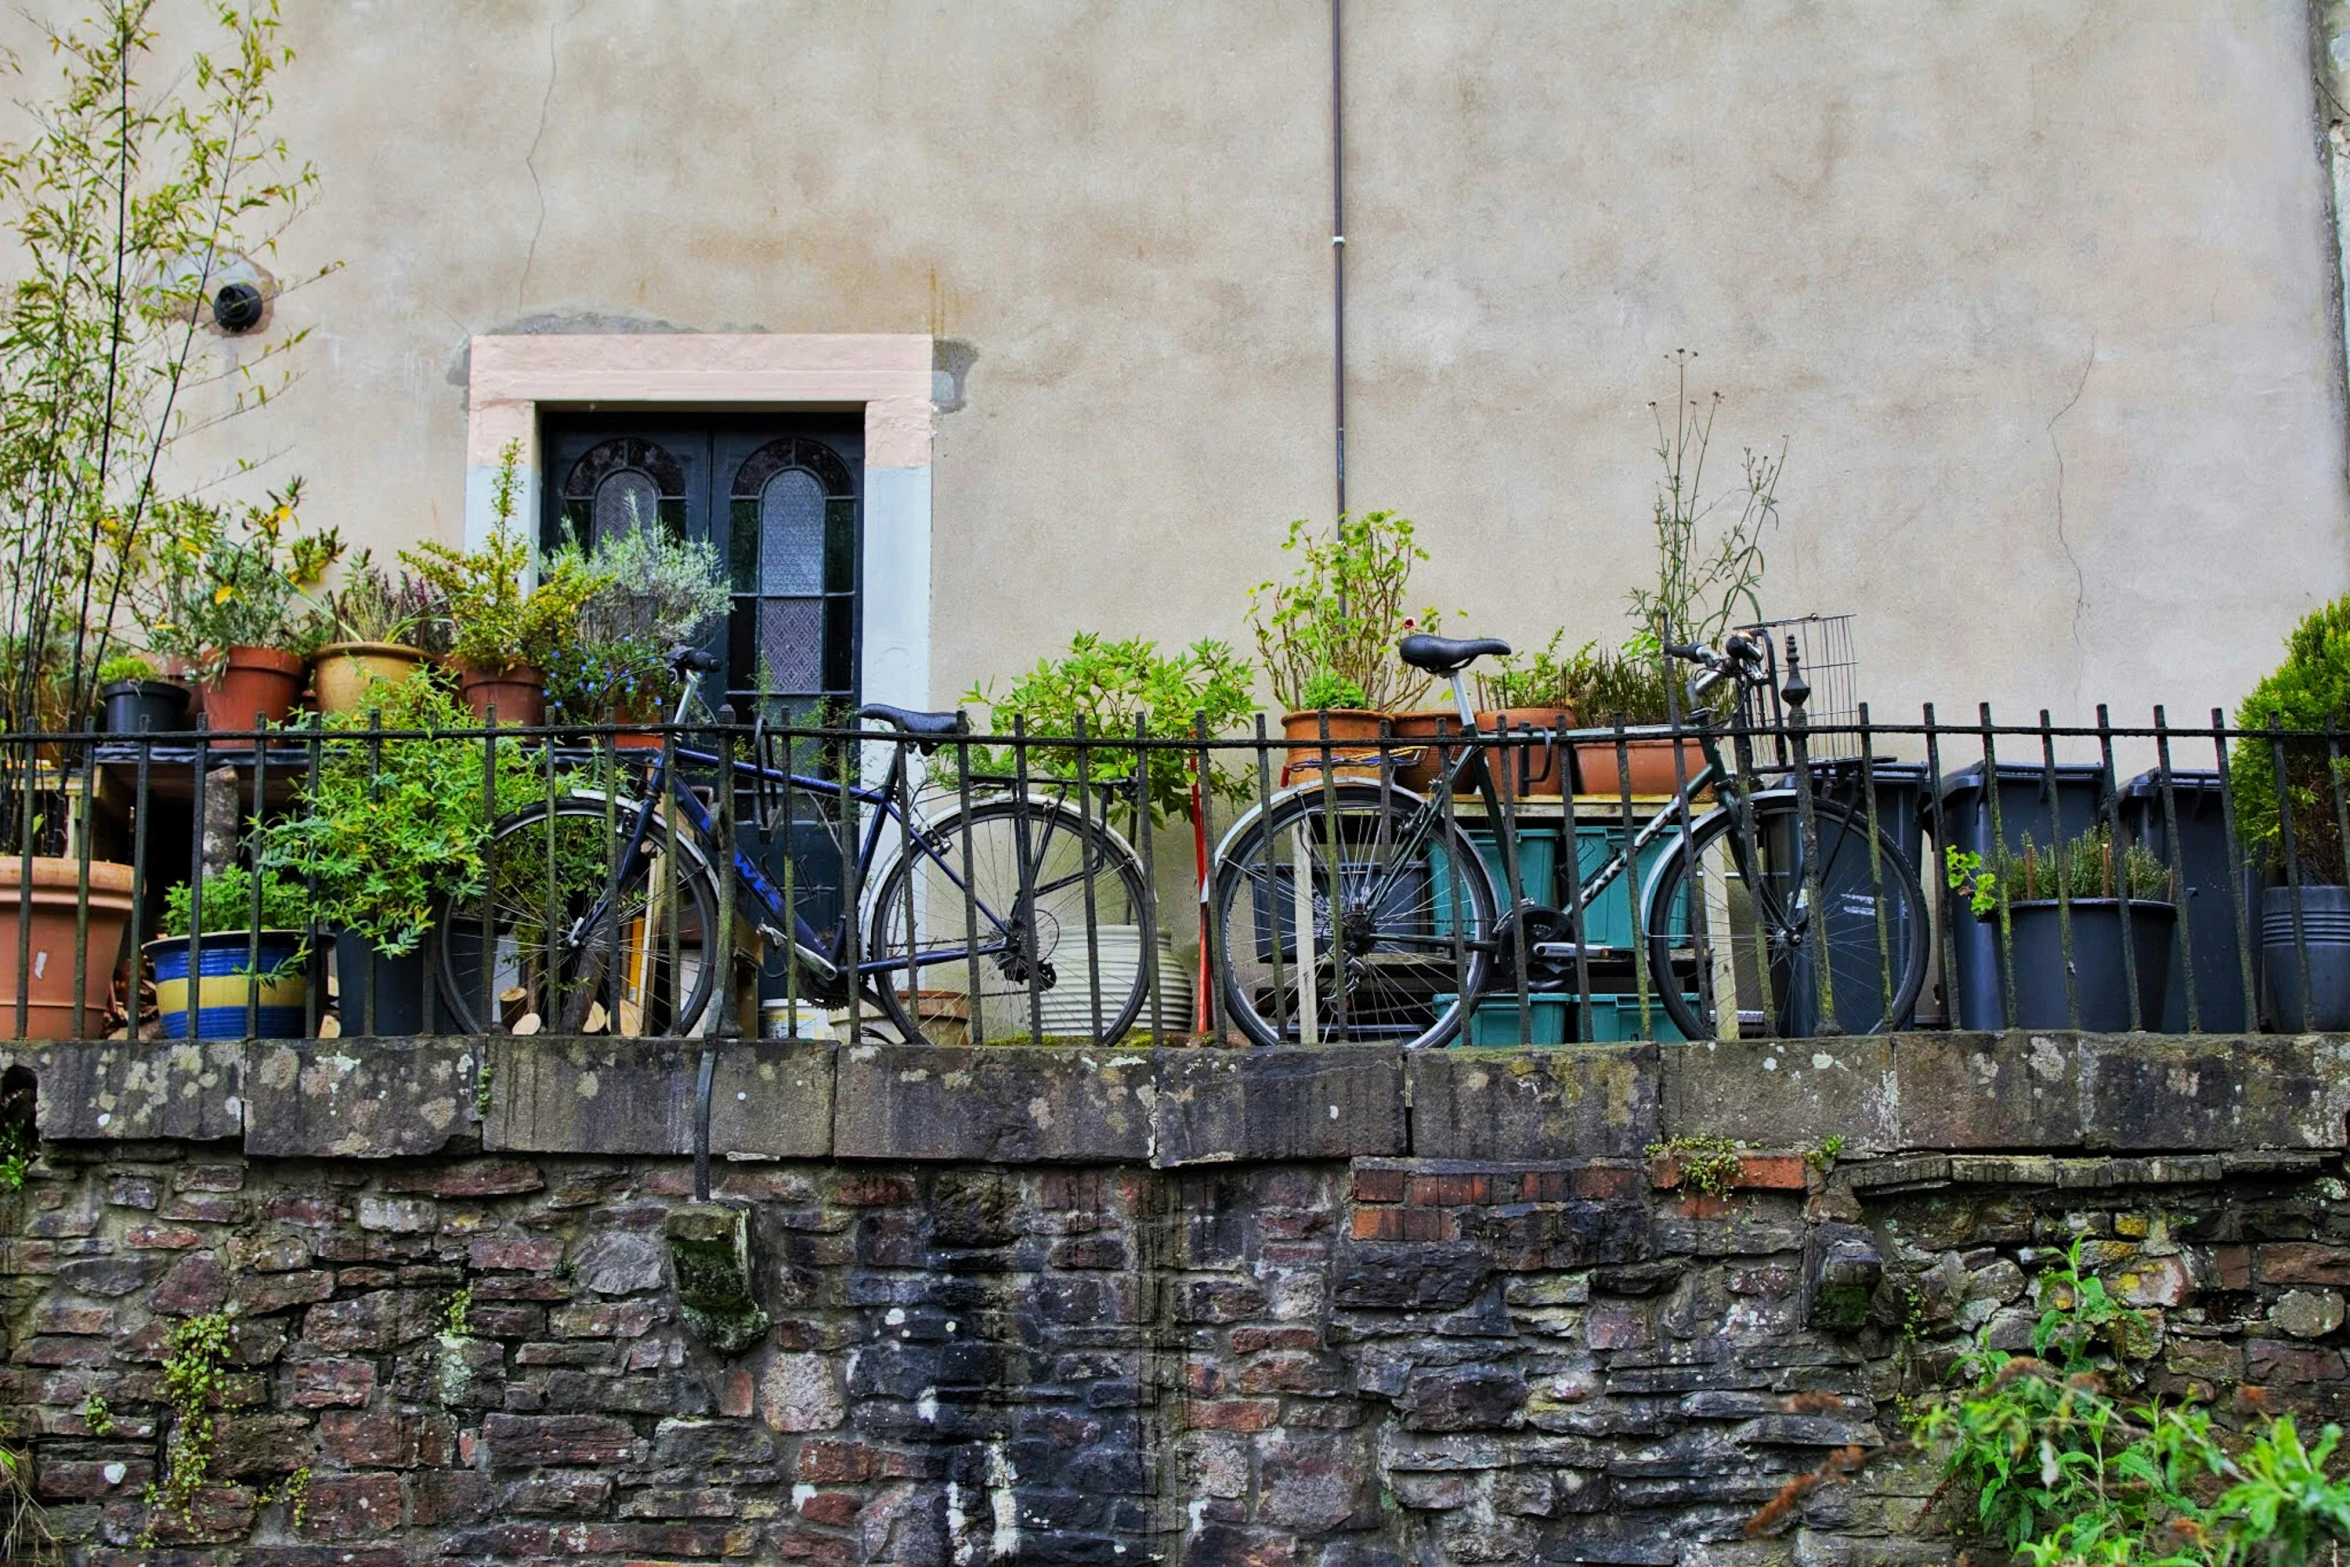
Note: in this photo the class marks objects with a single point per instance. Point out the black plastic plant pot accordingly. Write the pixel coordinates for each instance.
(145, 707)
(381, 996)
(2324, 926)
(2099, 981)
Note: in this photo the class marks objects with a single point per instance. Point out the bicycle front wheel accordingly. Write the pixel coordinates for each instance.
(576, 937)
(1738, 945)
(1396, 914)
(1014, 919)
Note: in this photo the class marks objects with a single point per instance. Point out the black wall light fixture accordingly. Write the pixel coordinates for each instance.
(237, 307)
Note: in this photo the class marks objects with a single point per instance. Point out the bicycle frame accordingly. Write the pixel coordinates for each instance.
(1677, 814)
(828, 955)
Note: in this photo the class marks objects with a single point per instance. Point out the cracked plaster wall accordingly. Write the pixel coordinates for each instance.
(1989, 267)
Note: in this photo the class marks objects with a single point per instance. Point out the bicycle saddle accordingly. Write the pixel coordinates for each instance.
(1448, 655)
(924, 726)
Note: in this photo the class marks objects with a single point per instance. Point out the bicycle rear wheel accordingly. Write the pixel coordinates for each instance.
(1399, 936)
(1015, 919)
(1731, 953)
(644, 967)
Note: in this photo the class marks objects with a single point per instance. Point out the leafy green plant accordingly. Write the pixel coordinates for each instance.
(457, 1315)
(225, 580)
(1710, 1165)
(1537, 678)
(386, 829)
(2062, 1470)
(653, 592)
(1341, 612)
(195, 1384)
(1329, 690)
(496, 623)
(228, 903)
(2084, 867)
(2310, 690)
(123, 668)
(375, 605)
(97, 1416)
(19, 1142)
(1107, 686)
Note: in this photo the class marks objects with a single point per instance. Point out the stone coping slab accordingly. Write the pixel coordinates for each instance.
(1938, 1093)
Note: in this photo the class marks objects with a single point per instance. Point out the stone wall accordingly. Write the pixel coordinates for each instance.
(1328, 1359)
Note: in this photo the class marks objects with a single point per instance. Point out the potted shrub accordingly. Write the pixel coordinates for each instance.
(2092, 876)
(237, 963)
(135, 701)
(384, 831)
(652, 592)
(1529, 692)
(2305, 901)
(230, 598)
(384, 625)
(1327, 636)
(1601, 687)
(1107, 686)
(503, 635)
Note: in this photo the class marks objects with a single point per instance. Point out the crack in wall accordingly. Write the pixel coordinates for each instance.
(530, 158)
(2063, 540)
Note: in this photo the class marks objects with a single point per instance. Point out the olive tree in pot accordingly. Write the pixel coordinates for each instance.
(2076, 894)
(388, 828)
(128, 202)
(1327, 637)
(652, 592)
(2291, 823)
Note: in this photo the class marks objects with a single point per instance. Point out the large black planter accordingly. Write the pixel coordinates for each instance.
(379, 996)
(2324, 925)
(2098, 976)
(145, 707)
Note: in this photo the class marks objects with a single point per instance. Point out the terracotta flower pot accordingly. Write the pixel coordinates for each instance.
(1422, 765)
(1648, 763)
(258, 680)
(1347, 755)
(1538, 762)
(52, 1012)
(648, 740)
(518, 693)
(341, 672)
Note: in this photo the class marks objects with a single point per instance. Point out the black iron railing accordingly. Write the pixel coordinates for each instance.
(1442, 887)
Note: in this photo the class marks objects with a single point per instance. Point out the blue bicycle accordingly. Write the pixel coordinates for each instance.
(1013, 913)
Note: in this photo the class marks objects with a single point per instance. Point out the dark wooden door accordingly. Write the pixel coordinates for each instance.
(780, 497)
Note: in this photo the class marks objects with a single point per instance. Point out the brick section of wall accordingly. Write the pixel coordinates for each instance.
(1288, 1365)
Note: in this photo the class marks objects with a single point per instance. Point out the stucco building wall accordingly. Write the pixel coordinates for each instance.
(2041, 295)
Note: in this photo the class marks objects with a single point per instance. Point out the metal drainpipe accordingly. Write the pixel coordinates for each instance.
(1338, 250)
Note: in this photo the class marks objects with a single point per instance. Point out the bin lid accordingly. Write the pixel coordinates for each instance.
(1969, 779)
(2148, 784)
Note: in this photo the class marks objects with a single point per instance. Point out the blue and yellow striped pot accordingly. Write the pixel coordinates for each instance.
(224, 988)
